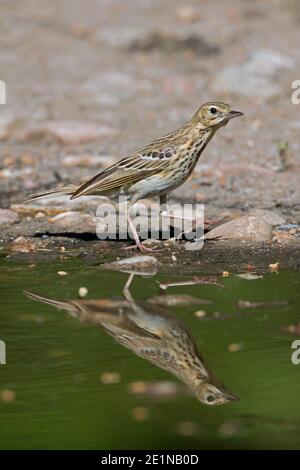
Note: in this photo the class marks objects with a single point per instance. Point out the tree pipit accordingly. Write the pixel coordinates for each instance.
(157, 168)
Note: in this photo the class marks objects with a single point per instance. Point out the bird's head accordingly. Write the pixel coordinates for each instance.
(210, 394)
(215, 114)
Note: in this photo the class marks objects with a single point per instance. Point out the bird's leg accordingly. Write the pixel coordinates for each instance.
(126, 290)
(163, 204)
(138, 243)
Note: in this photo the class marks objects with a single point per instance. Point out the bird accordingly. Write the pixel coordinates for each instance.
(153, 333)
(155, 169)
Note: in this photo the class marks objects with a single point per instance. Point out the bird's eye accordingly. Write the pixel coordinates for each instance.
(210, 398)
(213, 110)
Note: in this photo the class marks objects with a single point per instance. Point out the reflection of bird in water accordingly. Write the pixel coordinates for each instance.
(154, 334)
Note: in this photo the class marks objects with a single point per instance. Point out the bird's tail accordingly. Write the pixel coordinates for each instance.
(73, 308)
(64, 191)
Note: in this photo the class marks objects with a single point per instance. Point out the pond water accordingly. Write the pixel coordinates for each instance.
(67, 384)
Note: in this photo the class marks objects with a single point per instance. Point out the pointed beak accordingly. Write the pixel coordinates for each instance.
(230, 396)
(233, 114)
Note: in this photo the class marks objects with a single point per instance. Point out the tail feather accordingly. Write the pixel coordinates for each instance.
(73, 308)
(65, 191)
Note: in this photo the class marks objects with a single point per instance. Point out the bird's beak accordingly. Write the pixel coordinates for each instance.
(230, 396)
(233, 114)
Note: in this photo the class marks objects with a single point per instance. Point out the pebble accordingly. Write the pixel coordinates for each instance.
(22, 245)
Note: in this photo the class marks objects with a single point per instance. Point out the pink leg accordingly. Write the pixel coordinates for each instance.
(138, 243)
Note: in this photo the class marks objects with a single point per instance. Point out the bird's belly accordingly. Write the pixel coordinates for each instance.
(150, 187)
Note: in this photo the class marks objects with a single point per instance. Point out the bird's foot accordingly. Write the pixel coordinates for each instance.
(143, 248)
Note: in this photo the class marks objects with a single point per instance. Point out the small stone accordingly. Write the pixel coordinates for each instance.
(225, 274)
(82, 292)
(8, 217)
(22, 245)
(244, 228)
(282, 237)
(187, 14)
(273, 267)
(40, 215)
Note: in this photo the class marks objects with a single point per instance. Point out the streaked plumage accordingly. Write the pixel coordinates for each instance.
(154, 334)
(157, 168)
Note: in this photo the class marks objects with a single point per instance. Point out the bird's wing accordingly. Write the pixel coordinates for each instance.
(145, 162)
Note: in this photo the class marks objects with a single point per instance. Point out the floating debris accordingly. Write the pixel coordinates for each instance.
(235, 347)
(200, 313)
(163, 389)
(82, 291)
(187, 428)
(7, 395)
(263, 304)
(176, 300)
(292, 329)
(249, 276)
(228, 429)
(140, 413)
(192, 282)
(110, 377)
(62, 273)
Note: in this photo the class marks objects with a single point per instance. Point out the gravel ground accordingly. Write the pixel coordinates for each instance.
(89, 82)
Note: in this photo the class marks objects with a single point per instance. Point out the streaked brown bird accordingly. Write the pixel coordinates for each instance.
(157, 168)
(152, 333)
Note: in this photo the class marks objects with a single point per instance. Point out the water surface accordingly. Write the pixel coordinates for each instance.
(54, 394)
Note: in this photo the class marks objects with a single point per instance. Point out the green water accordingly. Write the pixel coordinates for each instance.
(56, 400)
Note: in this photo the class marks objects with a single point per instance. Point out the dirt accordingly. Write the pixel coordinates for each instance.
(133, 71)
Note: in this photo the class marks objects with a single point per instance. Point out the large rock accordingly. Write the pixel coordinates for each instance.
(73, 222)
(69, 132)
(8, 217)
(271, 217)
(244, 228)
